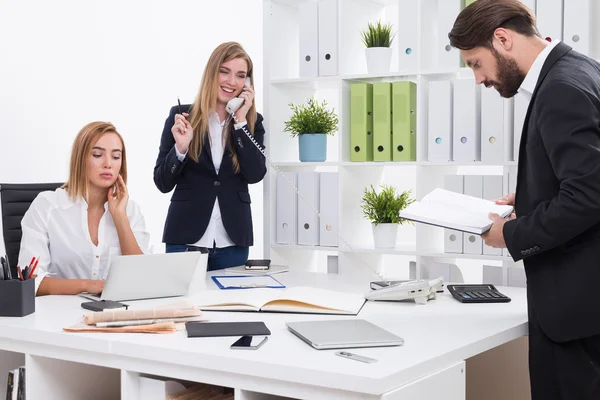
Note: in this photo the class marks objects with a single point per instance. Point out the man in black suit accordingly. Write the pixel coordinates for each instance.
(556, 230)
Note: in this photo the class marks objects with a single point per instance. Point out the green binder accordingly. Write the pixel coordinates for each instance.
(382, 121)
(468, 2)
(404, 121)
(361, 122)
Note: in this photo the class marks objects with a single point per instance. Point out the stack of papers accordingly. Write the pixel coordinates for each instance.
(155, 320)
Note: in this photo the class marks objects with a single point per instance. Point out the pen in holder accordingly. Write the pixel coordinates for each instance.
(17, 297)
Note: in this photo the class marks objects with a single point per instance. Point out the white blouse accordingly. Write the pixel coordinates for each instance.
(55, 229)
(215, 231)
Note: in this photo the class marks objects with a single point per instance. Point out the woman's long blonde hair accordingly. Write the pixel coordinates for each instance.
(206, 100)
(88, 136)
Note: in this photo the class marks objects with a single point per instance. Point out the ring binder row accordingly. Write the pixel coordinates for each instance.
(383, 121)
(488, 187)
(296, 212)
(15, 384)
(504, 276)
(318, 38)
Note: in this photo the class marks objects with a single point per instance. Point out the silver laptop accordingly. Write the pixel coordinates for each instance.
(343, 334)
(150, 276)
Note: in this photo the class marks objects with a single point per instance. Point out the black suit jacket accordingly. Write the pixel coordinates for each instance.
(557, 229)
(197, 184)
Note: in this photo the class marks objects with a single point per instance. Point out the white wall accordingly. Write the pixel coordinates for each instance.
(65, 63)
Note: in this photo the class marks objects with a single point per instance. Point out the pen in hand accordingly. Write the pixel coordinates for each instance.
(179, 105)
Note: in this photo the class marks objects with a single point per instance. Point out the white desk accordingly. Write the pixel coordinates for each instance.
(438, 338)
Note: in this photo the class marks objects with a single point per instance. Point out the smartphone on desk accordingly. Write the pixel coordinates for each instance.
(249, 342)
(257, 264)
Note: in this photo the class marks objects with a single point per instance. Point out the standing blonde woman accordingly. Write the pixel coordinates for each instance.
(77, 228)
(209, 160)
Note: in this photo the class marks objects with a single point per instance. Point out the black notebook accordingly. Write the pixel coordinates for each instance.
(214, 329)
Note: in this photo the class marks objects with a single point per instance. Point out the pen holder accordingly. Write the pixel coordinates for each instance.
(17, 297)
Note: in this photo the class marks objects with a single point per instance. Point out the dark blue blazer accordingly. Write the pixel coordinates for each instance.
(197, 184)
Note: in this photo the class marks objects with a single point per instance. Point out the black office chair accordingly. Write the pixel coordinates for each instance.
(16, 199)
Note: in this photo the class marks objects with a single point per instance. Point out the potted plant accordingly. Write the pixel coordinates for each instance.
(312, 123)
(383, 210)
(378, 39)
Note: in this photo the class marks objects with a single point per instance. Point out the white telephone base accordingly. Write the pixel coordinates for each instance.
(420, 291)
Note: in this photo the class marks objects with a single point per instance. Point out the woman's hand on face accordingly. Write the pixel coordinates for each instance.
(118, 198)
(93, 286)
(248, 96)
(182, 132)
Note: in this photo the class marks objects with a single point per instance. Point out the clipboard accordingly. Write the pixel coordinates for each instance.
(247, 282)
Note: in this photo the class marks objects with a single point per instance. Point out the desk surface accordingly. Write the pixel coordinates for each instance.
(437, 335)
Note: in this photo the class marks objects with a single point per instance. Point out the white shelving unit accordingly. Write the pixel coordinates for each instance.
(284, 85)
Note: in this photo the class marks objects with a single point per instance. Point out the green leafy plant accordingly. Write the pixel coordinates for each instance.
(378, 35)
(384, 208)
(311, 118)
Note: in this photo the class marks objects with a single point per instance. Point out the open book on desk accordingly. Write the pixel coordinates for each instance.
(455, 211)
(291, 300)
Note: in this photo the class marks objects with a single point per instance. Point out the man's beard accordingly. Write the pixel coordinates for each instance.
(510, 76)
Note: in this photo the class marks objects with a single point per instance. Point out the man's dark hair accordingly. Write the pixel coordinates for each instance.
(475, 25)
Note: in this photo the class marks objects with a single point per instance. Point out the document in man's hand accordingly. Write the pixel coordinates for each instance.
(455, 211)
(292, 300)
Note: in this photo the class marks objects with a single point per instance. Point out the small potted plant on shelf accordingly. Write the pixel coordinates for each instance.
(378, 39)
(383, 210)
(312, 122)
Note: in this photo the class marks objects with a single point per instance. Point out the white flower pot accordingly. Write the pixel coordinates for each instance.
(378, 59)
(384, 235)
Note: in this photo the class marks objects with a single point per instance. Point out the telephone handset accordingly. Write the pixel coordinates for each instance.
(236, 102)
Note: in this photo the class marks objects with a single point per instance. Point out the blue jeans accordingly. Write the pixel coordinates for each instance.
(218, 258)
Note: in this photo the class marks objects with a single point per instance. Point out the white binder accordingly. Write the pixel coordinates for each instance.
(521, 104)
(516, 277)
(448, 57)
(453, 240)
(492, 126)
(494, 275)
(577, 19)
(466, 135)
(448, 272)
(549, 18)
(328, 208)
(308, 221)
(473, 244)
(407, 36)
(328, 34)
(308, 39)
(286, 208)
(492, 190)
(439, 133)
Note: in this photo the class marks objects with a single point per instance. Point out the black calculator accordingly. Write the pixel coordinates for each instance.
(477, 294)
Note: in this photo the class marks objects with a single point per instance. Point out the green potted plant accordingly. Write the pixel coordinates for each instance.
(378, 38)
(383, 210)
(312, 122)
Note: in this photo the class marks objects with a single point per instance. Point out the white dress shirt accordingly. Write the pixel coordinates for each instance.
(215, 231)
(55, 229)
(528, 84)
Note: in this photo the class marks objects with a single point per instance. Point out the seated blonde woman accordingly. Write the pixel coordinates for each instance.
(76, 229)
